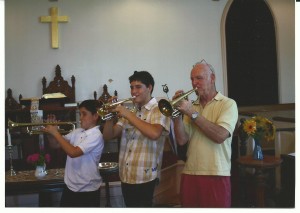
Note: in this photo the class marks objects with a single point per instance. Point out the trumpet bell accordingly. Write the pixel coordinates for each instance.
(165, 107)
(168, 108)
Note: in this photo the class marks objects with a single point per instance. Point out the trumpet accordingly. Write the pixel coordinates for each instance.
(105, 111)
(168, 109)
(36, 127)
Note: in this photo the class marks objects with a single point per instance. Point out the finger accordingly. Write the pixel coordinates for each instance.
(50, 117)
(113, 99)
(44, 129)
(179, 92)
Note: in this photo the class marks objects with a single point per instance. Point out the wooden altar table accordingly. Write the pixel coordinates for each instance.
(26, 183)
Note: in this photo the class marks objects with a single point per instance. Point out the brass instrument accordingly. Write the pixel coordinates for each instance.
(34, 131)
(105, 111)
(168, 108)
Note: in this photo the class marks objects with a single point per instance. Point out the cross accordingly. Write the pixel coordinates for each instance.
(54, 19)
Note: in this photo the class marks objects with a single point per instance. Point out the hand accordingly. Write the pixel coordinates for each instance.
(186, 107)
(122, 111)
(177, 94)
(112, 99)
(51, 118)
(51, 129)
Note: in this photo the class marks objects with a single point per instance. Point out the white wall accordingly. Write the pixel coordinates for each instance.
(109, 39)
(284, 16)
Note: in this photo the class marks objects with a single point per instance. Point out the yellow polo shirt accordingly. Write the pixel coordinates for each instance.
(205, 157)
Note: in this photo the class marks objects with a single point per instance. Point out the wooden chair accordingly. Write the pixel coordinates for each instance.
(10, 102)
(105, 95)
(60, 85)
(102, 100)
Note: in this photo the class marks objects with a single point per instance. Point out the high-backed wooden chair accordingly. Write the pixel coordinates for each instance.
(105, 95)
(103, 99)
(60, 85)
(10, 102)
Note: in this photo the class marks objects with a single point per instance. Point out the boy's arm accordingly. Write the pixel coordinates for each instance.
(111, 130)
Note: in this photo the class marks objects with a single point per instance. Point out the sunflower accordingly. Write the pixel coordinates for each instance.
(259, 128)
(249, 127)
(270, 131)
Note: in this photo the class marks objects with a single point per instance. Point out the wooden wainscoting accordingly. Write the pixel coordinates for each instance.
(166, 193)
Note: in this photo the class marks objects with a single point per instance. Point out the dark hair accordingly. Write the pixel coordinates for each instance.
(90, 105)
(144, 77)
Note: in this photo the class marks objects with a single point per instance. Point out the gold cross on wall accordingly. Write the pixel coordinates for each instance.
(54, 19)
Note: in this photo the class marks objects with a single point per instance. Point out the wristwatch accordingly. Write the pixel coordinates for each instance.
(194, 116)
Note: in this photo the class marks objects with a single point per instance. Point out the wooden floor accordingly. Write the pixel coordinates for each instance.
(173, 202)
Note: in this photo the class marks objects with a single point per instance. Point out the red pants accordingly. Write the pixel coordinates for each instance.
(205, 191)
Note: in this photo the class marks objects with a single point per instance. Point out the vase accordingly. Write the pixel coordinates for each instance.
(257, 152)
(40, 172)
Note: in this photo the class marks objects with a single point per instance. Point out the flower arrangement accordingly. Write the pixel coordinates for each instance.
(38, 159)
(259, 128)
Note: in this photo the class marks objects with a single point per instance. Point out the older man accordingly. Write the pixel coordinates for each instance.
(207, 126)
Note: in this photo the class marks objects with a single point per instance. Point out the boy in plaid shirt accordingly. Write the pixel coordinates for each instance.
(142, 141)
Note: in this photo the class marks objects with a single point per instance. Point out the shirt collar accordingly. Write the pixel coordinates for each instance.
(150, 104)
(88, 131)
(218, 97)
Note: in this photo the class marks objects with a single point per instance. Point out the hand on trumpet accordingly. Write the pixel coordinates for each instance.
(184, 105)
(112, 99)
(51, 129)
(122, 111)
(110, 108)
(114, 108)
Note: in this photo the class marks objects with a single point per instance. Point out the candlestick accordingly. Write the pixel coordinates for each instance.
(8, 138)
(10, 151)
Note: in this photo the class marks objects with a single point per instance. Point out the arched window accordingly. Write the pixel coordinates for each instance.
(251, 53)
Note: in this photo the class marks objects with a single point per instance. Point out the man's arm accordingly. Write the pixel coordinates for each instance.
(180, 134)
(215, 132)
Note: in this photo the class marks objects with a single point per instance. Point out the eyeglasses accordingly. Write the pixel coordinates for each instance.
(204, 62)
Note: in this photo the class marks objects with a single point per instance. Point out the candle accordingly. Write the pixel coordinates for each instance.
(8, 137)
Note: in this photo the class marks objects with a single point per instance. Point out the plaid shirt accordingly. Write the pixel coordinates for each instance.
(140, 158)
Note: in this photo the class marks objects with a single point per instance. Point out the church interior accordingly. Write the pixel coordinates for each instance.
(61, 52)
